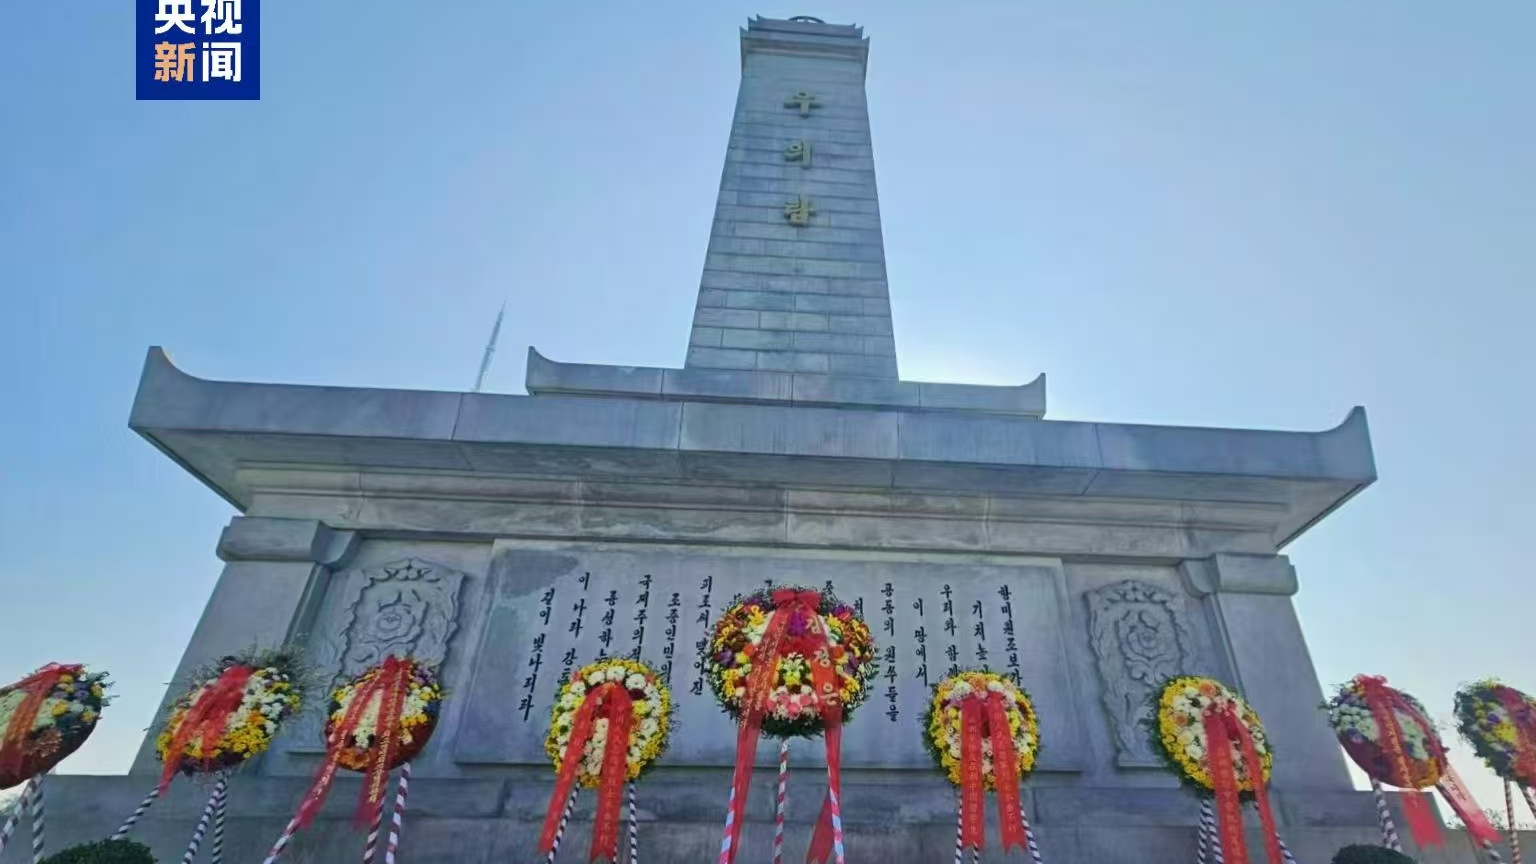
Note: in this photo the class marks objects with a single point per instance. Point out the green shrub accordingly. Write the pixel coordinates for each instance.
(1370, 855)
(105, 852)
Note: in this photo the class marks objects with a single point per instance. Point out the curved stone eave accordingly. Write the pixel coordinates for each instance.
(212, 428)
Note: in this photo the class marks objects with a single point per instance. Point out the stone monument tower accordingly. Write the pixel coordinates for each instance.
(617, 510)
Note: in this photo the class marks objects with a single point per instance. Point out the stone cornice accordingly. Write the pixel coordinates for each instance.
(249, 538)
(1240, 574)
(216, 428)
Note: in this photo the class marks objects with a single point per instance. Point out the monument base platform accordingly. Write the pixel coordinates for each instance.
(468, 821)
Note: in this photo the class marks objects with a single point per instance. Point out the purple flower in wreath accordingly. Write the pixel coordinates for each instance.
(725, 658)
(797, 625)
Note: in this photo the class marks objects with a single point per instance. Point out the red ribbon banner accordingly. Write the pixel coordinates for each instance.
(390, 683)
(37, 686)
(984, 715)
(1254, 767)
(1224, 730)
(973, 824)
(1229, 812)
(610, 701)
(1383, 701)
(777, 642)
(1455, 792)
(1523, 716)
(207, 718)
(1005, 767)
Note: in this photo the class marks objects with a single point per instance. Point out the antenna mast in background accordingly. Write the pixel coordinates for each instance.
(490, 348)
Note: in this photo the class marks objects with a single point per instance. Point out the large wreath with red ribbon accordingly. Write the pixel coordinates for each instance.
(609, 724)
(46, 716)
(1388, 734)
(376, 722)
(1215, 742)
(792, 662)
(765, 658)
(1500, 724)
(229, 714)
(1195, 714)
(983, 734)
(384, 717)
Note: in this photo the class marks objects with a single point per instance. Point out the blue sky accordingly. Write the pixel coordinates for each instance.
(1186, 213)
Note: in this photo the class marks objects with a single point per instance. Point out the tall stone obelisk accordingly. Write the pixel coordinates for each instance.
(794, 280)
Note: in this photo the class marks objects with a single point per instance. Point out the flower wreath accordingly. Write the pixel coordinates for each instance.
(376, 722)
(1409, 755)
(1500, 724)
(1183, 740)
(944, 725)
(384, 716)
(1390, 736)
(229, 714)
(609, 724)
(651, 707)
(791, 662)
(973, 719)
(1215, 742)
(794, 706)
(46, 716)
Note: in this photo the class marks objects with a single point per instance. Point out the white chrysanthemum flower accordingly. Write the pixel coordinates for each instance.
(595, 678)
(635, 681)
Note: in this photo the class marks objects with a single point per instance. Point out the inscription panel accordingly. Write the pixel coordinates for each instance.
(556, 608)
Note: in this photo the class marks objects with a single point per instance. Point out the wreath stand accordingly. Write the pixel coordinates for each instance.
(370, 845)
(634, 826)
(1509, 815)
(213, 814)
(1029, 837)
(831, 811)
(1208, 843)
(30, 804)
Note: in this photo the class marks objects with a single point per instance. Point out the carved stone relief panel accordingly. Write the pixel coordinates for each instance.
(405, 607)
(1139, 638)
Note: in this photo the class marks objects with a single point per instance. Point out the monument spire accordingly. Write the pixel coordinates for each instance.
(794, 279)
